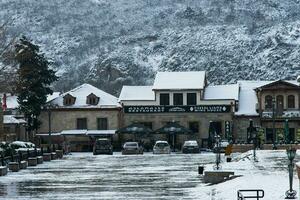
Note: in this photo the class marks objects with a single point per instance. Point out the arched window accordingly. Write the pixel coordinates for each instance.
(291, 101)
(268, 102)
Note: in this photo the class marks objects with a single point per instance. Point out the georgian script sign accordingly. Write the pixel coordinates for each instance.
(178, 109)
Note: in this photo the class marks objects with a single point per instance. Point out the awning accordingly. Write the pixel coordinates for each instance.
(135, 128)
(100, 132)
(47, 134)
(173, 128)
(11, 119)
(81, 132)
(74, 132)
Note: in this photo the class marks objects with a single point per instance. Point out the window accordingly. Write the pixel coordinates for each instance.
(81, 123)
(69, 100)
(102, 123)
(194, 126)
(178, 99)
(279, 104)
(92, 99)
(268, 102)
(164, 99)
(191, 98)
(147, 124)
(291, 101)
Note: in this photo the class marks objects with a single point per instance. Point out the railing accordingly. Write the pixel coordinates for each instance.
(285, 114)
(250, 194)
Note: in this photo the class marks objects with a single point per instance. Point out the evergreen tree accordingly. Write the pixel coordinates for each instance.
(34, 80)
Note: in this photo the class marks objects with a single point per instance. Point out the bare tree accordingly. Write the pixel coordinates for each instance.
(7, 61)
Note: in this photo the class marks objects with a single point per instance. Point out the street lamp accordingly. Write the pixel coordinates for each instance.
(49, 107)
(252, 136)
(273, 121)
(218, 155)
(291, 153)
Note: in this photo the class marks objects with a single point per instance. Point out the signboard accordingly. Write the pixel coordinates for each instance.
(178, 109)
(228, 134)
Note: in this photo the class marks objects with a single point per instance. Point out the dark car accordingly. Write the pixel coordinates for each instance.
(190, 146)
(103, 146)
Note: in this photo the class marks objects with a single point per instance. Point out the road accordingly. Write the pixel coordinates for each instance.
(84, 176)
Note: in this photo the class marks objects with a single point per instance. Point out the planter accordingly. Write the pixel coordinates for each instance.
(13, 166)
(32, 161)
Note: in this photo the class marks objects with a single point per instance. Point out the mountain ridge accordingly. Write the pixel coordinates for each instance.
(114, 43)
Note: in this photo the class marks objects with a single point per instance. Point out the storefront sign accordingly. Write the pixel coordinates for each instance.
(178, 109)
(228, 134)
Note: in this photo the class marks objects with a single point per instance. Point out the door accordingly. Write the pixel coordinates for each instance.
(279, 105)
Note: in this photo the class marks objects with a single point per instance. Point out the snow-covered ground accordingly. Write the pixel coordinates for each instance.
(148, 176)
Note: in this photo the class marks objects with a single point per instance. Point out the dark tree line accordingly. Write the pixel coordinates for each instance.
(33, 82)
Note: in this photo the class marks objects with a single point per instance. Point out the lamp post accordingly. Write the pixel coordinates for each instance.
(49, 107)
(273, 122)
(218, 155)
(291, 153)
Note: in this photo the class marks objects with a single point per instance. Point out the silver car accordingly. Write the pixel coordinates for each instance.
(132, 148)
(190, 146)
(161, 147)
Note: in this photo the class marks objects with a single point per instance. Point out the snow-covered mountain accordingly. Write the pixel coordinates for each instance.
(111, 43)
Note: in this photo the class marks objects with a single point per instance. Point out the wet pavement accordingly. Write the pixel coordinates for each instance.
(84, 176)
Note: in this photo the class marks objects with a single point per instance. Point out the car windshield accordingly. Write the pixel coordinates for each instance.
(131, 144)
(102, 142)
(190, 143)
(162, 144)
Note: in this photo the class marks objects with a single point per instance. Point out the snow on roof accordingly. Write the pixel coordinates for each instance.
(12, 102)
(248, 98)
(81, 92)
(137, 93)
(179, 80)
(101, 132)
(11, 119)
(74, 132)
(53, 96)
(47, 134)
(293, 82)
(87, 132)
(222, 92)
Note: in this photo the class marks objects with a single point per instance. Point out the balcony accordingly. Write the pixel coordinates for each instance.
(286, 114)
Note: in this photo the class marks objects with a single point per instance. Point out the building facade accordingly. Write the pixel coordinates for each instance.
(181, 97)
(79, 116)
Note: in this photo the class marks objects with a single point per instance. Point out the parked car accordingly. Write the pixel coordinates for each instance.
(132, 148)
(161, 147)
(222, 147)
(103, 146)
(190, 146)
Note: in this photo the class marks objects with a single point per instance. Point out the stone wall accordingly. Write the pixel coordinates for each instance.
(159, 120)
(66, 120)
(240, 125)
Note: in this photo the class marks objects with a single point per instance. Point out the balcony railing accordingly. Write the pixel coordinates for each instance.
(285, 114)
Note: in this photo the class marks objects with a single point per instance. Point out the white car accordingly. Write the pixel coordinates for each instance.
(161, 147)
(132, 148)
